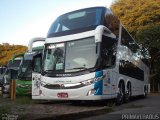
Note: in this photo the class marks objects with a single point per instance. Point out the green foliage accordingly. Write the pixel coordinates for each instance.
(150, 36)
(4, 109)
(135, 106)
(24, 100)
(7, 51)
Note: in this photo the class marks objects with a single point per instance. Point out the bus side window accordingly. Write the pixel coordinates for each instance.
(108, 53)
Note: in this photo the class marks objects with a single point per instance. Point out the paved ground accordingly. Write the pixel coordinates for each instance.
(147, 109)
(26, 109)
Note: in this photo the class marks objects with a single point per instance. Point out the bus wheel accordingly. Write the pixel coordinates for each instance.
(120, 94)
(128, 93)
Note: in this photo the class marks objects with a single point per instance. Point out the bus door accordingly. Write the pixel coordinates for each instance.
(36, 74)
(108, 60)
(107, 82)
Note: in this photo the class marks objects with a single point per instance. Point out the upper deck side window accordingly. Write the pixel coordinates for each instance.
(111, 22)
(128, 41)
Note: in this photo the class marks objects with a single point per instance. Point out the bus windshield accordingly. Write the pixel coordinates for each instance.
(14, 64)
(25, 70)
(2, 70)
(71, 56)
(77, 20)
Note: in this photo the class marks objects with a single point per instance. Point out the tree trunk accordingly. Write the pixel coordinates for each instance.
(153, 86)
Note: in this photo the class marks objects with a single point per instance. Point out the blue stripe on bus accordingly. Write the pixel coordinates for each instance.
(98, 86)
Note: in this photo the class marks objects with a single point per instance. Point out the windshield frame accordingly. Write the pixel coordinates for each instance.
(28, 57)
(23, 75)
(77, 70)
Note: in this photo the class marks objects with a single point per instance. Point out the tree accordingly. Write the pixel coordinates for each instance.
(150, 37)
(7, 51)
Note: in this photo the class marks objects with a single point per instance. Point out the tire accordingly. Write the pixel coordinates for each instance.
(128, 93)
(120, 94)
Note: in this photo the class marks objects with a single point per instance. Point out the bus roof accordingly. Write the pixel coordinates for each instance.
(38, 48)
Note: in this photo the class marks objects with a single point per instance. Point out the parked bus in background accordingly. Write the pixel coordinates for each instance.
(2, 70)
(11, 72)
(89, 55)
(24, 81)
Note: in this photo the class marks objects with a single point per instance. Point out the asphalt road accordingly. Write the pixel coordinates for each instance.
(146, 109)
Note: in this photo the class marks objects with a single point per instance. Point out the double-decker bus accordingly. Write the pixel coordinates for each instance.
(89, 55)
(24, 80)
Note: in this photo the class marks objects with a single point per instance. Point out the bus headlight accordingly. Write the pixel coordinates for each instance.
(88, 82)
(91, 81)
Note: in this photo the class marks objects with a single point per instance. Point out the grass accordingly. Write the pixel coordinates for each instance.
(135, 106)
(23, 100)
(9, 107)
(111, 104)
(4, 109)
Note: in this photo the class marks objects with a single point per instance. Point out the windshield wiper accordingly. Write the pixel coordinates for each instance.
(46, 71)
(84, 68)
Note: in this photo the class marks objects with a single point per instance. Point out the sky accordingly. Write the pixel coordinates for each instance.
(22, 20)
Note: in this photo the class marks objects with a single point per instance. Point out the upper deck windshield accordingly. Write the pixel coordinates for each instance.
(70, 56)
(77, 20)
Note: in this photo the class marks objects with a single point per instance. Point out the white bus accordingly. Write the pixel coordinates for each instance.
(89, 55)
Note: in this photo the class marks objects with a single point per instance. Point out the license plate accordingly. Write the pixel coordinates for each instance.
(62, 95)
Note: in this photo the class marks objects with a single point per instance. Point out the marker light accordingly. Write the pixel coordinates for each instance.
(99, 74)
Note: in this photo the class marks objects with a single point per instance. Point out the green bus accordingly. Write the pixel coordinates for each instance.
(24, 80)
